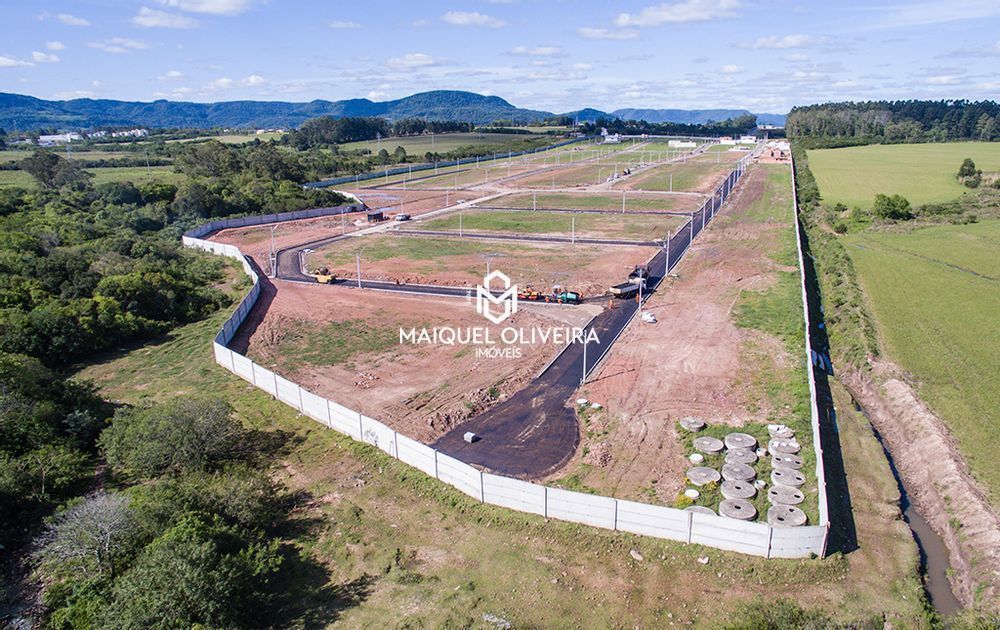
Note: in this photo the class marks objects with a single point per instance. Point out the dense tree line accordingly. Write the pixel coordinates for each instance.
(895, 121)
(728, 127)
(418, 126)
(326, 130)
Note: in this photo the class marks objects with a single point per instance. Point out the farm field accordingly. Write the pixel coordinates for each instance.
(923, 173)
(636, 227)
(137, 174)
(234, 138)
(11, 155)
(934, 293)
(597, 201)
(462, 262)
(727, 349)
(569, 176)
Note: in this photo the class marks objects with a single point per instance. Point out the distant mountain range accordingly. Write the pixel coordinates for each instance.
(24, 113)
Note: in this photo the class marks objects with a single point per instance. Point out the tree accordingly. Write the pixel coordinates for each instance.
(179, 436)
(399, 155)
(43, 166)
(198, 573)
(88, 539)
(895, 207)
(967, 169)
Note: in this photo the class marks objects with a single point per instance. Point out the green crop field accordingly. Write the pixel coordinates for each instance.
(137, 174)
(631, 226)
(936, 298)
(923, 173)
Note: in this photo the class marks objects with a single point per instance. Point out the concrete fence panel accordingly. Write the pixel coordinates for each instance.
(288, 392)
(460, 475)
(653, 520)
(578, 507)
(344, 420)
(514, 494)
(315, 407)
(416, 454)
(730, 534)
(797, 542)
(264, 379)
(223, 355)
(242, 366)
(377, 434)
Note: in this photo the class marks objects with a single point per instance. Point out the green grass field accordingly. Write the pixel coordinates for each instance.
(135, 174)
(635, 226)
(923, 173)
(936, 298)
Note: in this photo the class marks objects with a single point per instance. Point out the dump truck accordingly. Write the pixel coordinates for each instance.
(625, 289)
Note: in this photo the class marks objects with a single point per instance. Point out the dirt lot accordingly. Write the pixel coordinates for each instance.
(694, 362)
(462, 262)
(702, 174)
(599, 201)
(343, 344)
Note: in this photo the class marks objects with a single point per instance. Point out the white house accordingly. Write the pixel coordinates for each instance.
(59, 138)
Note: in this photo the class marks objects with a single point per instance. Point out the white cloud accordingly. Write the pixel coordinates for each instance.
(119, 45)
(412, 60)
(55, 45)
(788, 41)
(943, 79)
(72, 20)
(342, 24)
(40, 57)
(796, 57)
(537, 51)
(254, 79)
(151, 18)
(923, 14)
(679, 12)
(603, 33)
(223, 83)
(213, 7)
(472, 18)
(171, 75)
(582, 66)
(375, 95)
(731, 68)
(10, 62)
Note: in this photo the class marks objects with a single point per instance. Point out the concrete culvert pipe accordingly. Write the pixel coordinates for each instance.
(700, 509)
(788, 447)
(784, 495)
(740, 440)
(741, 456)
(738, 490)
(692, 424)
(738, 472)
(707, 444)
(785, 477)
(700, 475)
(786, 461)
(740, 509)
(785, 516)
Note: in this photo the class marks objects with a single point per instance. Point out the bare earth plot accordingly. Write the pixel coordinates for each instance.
(624, 226)
(343, 344)
(598, 201)
(708, 356)
(701, 174)
(462, 262)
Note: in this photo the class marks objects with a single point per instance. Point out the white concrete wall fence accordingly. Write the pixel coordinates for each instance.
(757, 539)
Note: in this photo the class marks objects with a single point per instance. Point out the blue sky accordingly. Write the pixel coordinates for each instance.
(764, 55)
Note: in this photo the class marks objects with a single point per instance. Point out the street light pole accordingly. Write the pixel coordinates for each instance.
(583, 377)
(359, 269)
(274, 272)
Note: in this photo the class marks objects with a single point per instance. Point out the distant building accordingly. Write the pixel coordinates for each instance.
(681, 144)
(59, 138)
(748, 140)
(97, 134)
(613, 138)
(131, 133)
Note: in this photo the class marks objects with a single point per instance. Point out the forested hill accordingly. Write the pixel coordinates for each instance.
(23, 113)
(896, 121)
(27, 113)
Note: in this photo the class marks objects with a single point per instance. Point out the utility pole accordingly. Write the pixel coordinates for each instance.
(573, 228)
(274, 262)
(691, 223)
(623, 201)
(666, 263)
(359, 269)
(583, 377)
